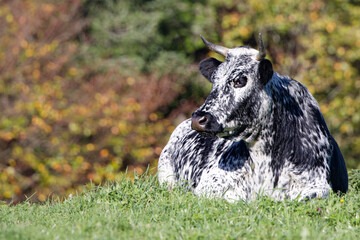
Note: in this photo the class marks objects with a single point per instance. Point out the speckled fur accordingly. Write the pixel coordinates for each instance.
(274, 140)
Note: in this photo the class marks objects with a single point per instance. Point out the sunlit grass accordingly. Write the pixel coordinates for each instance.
(144, 210)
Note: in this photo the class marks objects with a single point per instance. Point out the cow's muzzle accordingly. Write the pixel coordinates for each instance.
(205, 124)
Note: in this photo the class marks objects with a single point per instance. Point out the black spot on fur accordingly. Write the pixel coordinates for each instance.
(234, 157)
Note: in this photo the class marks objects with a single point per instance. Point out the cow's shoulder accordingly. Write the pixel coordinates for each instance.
(188, 153)
(166, 165)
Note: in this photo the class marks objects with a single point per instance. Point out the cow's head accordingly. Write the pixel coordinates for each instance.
(238, 103)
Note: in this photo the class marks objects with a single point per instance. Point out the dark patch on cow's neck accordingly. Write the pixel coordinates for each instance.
(235, 157)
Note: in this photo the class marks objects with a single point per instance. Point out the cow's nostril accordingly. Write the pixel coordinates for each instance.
(203, 120)
(198, 123)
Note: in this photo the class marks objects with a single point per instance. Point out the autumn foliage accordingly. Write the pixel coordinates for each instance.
(64, 123)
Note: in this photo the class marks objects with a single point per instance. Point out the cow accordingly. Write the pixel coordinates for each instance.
(257, 133)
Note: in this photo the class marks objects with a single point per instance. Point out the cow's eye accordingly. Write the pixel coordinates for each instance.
(240, 82)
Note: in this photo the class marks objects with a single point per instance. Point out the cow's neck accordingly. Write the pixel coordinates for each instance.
(262, 146)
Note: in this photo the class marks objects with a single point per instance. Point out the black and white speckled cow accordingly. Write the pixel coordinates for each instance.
(258, 132)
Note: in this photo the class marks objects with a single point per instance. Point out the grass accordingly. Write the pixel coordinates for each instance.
(145, 210)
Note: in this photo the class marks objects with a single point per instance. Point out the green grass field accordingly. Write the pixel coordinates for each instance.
(145, 210)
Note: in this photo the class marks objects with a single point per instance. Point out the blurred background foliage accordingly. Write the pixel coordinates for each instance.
(90, 89)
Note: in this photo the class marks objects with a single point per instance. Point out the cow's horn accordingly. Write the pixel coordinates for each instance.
(215, 48)
(262, 51)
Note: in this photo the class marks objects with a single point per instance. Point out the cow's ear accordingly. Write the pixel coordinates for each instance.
(208, 66)
(265, 71)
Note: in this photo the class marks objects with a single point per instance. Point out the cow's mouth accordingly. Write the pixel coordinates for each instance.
(207, 134)
(230, 133)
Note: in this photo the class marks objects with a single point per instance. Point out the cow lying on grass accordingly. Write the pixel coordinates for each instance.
(258, 132)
